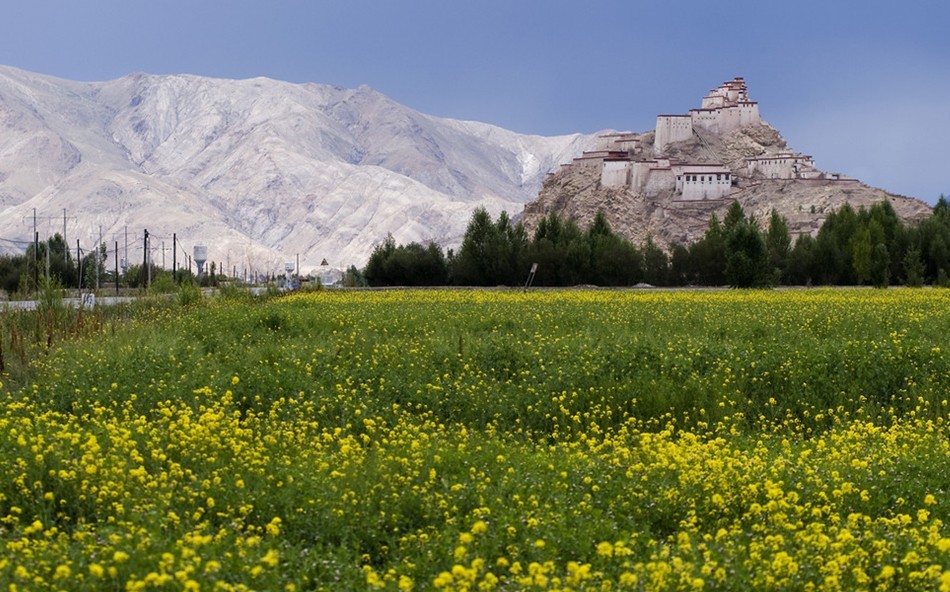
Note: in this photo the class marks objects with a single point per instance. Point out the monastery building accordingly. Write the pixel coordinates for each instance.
(622, 162)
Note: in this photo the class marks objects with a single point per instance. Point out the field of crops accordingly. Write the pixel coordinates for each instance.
(479, 440)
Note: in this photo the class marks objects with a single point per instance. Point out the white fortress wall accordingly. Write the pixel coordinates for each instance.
(784, 165)
(615, 173)
(702, 181)
(591, 159)
(639, 173)
(749, 113)
(705, 119)
(713, 101)
(670, 129)
(629, 145)
(660, 179)
(730, 120)
(698, 187)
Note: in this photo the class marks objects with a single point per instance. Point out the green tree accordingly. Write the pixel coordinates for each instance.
(656, 265)
(353, 278)
(12, 268)
(94, 267)
(913, 268)
(861, 249)
(735, 215)
(511, 244)
(801, 261)
(561, 251)
(681, 272)
(863, 244)
(708, 255)
(778, 241)
(478, 260)
(933, 240)
(747, 260)
(600, 226)
(832, 254)
(614, 261)
(375, 270)
(404, 265)
(880, 266)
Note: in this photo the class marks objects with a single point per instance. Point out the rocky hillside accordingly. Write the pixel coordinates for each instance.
(577, 192)
(258, 170)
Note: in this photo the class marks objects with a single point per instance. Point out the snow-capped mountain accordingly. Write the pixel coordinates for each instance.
(261, 171)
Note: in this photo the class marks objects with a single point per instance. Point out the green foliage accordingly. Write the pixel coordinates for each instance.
(353, 278)
(12, 268)
(747, 259)
(234, 292)
(778, 242)
(15, 267)
(708, 255)
(880, 266)
(802, 262)
(735, 215)
(405, 265)
(162, 283)
(913, 268)
(851, 247)
(491, 253)
(479, 257)
(93, 267)
(833, 248)
(51, 295)
(567, 256)
(655, 264)
(188, 294)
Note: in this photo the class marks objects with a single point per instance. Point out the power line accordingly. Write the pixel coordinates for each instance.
(16, 242)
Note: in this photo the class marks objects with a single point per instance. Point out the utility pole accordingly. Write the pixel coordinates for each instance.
(145, 258)
(65, 242)
(98, 257)
(78, 268)
(116, 268)
(163, 254)
(36, 249)
(175, 257)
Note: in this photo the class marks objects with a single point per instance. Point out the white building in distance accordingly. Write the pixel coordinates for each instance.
(784, 165)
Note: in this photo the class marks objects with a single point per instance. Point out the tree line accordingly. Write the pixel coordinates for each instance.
(868, 246)
(51, 261)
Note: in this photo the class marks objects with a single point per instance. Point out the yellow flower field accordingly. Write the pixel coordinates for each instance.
(489, 440)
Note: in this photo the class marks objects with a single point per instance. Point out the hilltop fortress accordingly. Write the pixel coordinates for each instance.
(723, 110)
(625, 161)
(666, 183)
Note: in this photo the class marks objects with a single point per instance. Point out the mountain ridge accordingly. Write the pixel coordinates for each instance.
(260, 170)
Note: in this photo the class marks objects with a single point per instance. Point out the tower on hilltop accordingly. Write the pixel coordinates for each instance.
(723, 110)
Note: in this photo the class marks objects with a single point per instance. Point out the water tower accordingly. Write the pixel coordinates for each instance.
(200, 254)
(289, 278)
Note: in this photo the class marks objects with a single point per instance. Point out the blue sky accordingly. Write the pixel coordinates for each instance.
(864, 87)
